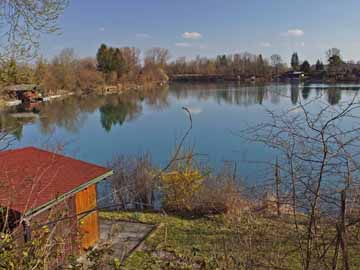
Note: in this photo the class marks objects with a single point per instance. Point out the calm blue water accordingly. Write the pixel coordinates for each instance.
(99, 128)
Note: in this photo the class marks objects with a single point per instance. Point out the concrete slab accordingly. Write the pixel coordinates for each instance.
(124, 235)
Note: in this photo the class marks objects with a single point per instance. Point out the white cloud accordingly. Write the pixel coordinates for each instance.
(265, 44)
(142, 35)
(102, 29)
(294, 33)
(182, 44)
(192, 35)
(302, 44)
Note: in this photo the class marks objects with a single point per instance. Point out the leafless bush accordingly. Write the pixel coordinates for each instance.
(318, 165)
(133, 182)
(184, 188)
(221, 192)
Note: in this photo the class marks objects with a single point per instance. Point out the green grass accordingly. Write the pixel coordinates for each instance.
(215, 242)
(245, 241)
(2, 103)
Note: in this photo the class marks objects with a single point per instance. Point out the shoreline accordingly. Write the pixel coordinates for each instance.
(105, 90)
(258, 81)
(136, 88)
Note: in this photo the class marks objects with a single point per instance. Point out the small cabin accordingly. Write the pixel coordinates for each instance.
(293, 76)
(40, 188)
(27, 93)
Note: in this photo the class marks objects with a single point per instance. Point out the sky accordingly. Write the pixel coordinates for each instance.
(210, 27)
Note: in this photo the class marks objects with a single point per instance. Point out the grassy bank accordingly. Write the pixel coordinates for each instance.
(246, 241)
(215, 242)
(2, 103)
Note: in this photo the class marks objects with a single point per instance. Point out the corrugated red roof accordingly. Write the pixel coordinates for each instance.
(31, 177)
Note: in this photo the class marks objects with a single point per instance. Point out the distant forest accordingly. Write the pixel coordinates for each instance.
(127, 65)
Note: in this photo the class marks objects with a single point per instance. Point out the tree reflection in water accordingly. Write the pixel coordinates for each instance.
(118, 111)
(305, 93)
(11, 125)
(334, 96)
(295, 93)
(71, 113)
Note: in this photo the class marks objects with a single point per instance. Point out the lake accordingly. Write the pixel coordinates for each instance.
(99, 128)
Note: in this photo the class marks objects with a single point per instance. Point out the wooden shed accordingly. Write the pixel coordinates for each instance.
(25, 92)
(41, 187)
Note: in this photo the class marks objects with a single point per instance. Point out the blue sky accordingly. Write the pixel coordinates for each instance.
(210, 27)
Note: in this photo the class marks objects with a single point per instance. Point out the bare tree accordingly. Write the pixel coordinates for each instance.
(319, 156)
(63, 70)
(157, 56)
(276, 62)
(23, 22)
(332, 52)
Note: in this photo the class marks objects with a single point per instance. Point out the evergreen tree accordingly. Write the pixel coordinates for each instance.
(102, 58)
(260, 65)
(319, 65)
(295, 62)
(305, 67)
(334, 57)
(335, 60)
(110, 63)
(120, 64)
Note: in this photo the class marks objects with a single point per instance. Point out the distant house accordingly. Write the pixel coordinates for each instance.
(344, 72)
(293, 75)
(24, 92)
(40, 188)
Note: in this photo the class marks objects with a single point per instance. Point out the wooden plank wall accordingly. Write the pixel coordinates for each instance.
(89, 223)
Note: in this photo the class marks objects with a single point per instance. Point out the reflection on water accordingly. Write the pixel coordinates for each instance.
(294, 94)
(117, 111)
(305, 92)
(333, 96)
(104, 126)
(226, 93)
(71, 112)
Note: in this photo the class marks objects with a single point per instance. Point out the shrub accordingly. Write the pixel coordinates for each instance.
(133, 183)
(180, 188)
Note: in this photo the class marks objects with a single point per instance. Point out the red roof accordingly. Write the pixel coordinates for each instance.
(30, 177)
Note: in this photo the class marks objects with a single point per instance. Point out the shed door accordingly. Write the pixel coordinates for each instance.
(89, 222)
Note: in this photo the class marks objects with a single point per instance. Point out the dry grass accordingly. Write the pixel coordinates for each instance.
(236, 240)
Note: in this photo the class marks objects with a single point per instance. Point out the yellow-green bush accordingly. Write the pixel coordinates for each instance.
(180, 189)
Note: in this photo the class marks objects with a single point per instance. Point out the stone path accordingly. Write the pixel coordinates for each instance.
(125, 235)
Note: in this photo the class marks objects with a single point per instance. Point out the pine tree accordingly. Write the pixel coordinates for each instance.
(305, 67)
(102, 58)
(110, 63)
(261, 65)
(319, 65)
(120, 64)
(295, 61)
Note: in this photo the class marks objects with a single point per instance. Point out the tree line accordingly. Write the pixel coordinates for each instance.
(242, 64)
(124, 64)
(246, 65)
(127, 65)
(66, 71)
(335, 68)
